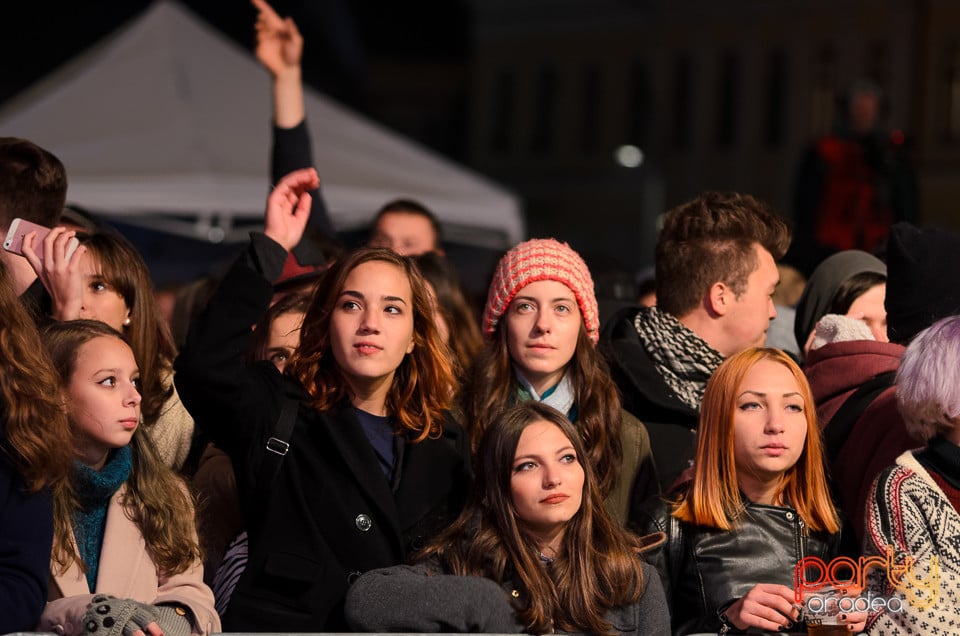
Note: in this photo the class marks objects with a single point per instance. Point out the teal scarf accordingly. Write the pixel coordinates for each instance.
(94, 491)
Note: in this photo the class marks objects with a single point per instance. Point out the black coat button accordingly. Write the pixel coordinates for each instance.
(364, 523)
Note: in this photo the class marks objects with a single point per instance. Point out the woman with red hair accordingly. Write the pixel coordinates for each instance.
(757, 504)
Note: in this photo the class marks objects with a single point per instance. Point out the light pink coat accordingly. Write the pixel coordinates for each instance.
(126, 571)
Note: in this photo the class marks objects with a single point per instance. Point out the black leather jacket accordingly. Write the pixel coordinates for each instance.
(703, 570)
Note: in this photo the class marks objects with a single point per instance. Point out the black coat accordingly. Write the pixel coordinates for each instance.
(330, 513)
(671, 423)
(26, 534)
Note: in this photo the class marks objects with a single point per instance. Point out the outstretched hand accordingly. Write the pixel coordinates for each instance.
(288, 207)
(279, 43)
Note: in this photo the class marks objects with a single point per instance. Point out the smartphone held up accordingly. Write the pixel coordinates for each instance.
(19, 228)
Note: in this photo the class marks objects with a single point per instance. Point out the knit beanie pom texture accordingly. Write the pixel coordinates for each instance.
(536, 260)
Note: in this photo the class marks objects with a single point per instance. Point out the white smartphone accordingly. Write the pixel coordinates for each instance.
(21, 227)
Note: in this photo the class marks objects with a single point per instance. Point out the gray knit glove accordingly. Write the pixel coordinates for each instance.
(111, 616)
(174, 620)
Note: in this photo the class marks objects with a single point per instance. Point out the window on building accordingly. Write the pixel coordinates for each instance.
(728, 100)
(640, 104)
(824, 94)
(545, 111)
(591, 107)
(504, 104)
(682, 107)
(878, 62)
(949, 93)
(774, 115)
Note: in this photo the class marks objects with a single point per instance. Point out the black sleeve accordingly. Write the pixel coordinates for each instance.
(230, 402)
(292, 151)
(26, 537)
(652, 517)
(646, 485)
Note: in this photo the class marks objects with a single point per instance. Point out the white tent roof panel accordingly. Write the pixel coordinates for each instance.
(168, 116)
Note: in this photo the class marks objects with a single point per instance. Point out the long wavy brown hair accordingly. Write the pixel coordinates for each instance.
(465, 340)
(35, 433)
(713, 498)
(492, 386)
(148, 334)
(156, 499)
(597, 567)
(424, 383)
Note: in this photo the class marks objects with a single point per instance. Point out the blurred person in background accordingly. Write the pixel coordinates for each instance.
(456, 321)
(854, 182)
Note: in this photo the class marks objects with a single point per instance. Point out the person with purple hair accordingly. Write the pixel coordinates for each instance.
(913, 509)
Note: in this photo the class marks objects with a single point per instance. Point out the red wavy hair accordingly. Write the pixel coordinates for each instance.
(713, 498)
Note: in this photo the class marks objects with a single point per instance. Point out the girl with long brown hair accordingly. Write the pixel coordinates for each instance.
(542, 324)
(35, 454)
(534, 550)
(348, 460)
(127, 529)
(106, 279)
(758, 502)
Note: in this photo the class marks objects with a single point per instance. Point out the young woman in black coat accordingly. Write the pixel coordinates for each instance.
(374, 465)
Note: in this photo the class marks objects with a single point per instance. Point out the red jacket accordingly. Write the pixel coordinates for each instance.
(835, 371)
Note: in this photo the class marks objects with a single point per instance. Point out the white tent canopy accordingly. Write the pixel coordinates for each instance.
(168, 117)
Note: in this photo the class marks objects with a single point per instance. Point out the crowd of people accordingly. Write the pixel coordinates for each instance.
(339, 441)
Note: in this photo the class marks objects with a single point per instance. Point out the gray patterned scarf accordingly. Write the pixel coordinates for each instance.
(680, 356)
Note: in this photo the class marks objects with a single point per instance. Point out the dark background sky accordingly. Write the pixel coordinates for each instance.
(345, 39)
(351, 46)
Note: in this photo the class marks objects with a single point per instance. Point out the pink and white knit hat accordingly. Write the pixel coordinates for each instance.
(541, 259)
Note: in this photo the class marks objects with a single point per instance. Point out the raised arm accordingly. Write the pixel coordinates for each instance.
(279, 50)
(288, 207)
(227, 400)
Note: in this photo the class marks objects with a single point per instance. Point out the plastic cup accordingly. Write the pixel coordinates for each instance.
(821, 612)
